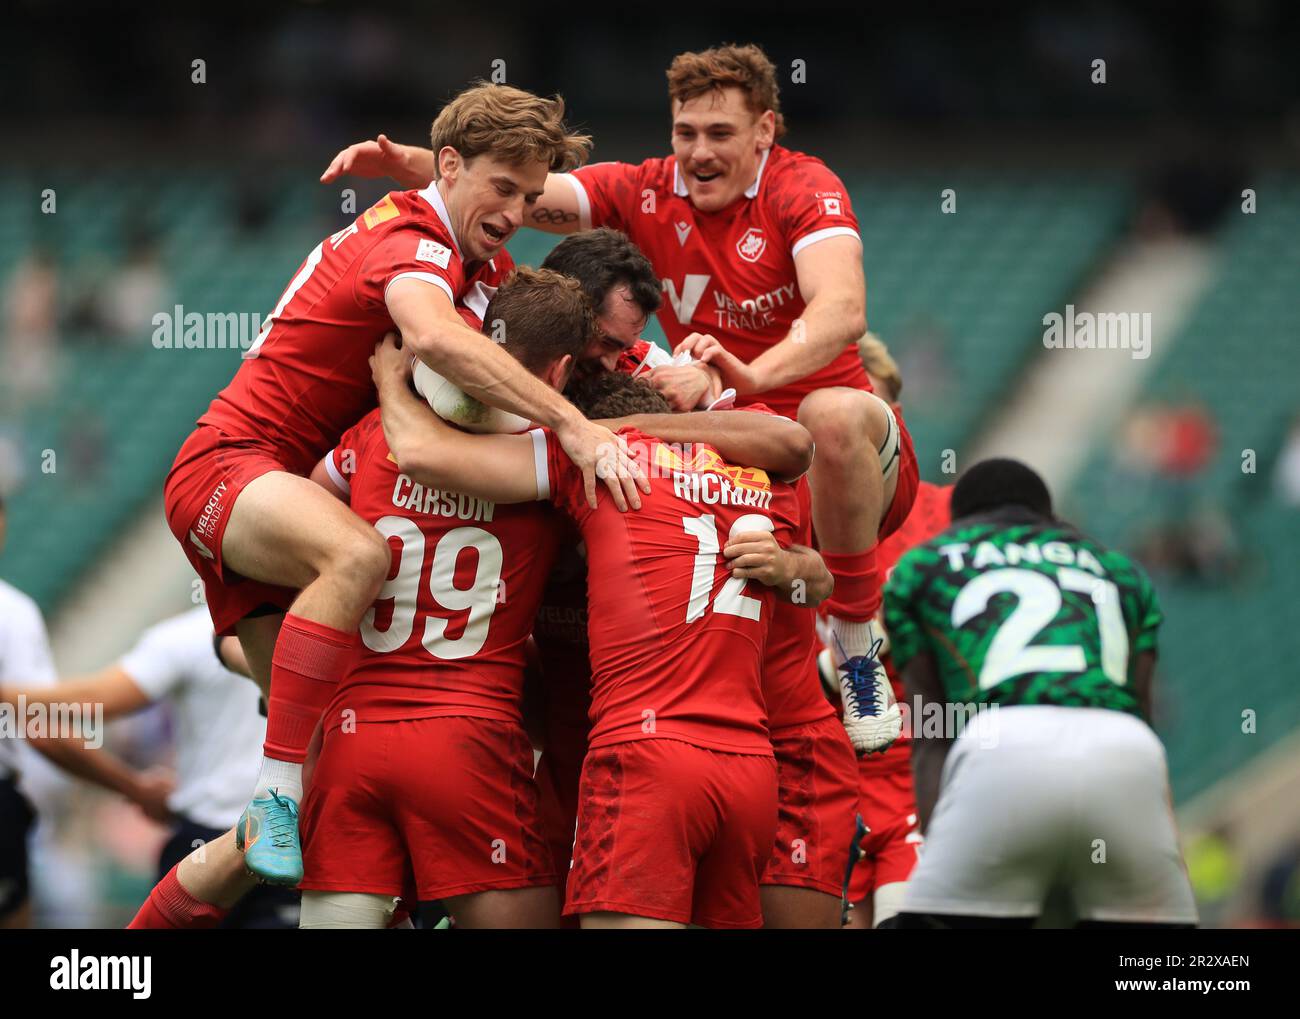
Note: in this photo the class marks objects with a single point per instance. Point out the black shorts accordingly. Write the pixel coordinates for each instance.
(266, 907)
(16, 819)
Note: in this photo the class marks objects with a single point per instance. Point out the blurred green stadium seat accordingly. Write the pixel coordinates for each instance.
(1224, 647)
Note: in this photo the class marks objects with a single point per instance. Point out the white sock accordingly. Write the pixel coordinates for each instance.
(848, 640)
(284, 777)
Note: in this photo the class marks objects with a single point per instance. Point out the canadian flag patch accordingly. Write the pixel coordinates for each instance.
(751, 246)
(432, 251)
(830, 207)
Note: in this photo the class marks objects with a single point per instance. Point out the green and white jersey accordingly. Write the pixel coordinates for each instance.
(1016, 609)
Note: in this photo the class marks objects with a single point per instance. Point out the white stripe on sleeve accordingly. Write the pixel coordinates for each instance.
(821, 235)
(539, 464)
(584, 203)
(427, 277)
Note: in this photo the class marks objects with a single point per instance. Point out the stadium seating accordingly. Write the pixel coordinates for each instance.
(121, 407)
(1222, 648)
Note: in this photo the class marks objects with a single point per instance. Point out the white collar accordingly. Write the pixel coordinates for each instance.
(433, 196)
(679, 186)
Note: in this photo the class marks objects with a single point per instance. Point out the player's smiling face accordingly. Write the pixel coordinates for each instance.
(719, 141)
(487, 199)
(619, 324)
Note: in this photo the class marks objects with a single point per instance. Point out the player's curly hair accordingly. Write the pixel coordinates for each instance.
(614, 395)
(539, 316)
(728, 66)
(509, 124)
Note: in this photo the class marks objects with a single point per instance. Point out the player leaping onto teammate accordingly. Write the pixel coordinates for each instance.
(261, 536)
(758, 251)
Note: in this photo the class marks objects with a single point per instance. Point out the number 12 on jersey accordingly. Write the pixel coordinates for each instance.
(731, 600)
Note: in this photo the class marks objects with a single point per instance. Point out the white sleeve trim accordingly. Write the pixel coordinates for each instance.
(426, 277)
(584, 202)
(822, 235)
(336, 475)
(543, 476)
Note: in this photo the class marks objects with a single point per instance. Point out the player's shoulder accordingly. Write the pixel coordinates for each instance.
(789, 169)
(420, 212)
(366, 437)
(19, 609)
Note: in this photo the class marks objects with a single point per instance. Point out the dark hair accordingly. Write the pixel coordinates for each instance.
(542, 316)
(603, 259)
(992, 484)
(614, 395)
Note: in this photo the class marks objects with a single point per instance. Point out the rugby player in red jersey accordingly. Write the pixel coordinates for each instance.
(260, 535)
(886, 798)
(817, 788)
(425, 763)
(759, 255)
(678, 799)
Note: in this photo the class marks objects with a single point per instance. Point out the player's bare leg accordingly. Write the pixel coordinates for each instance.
(625, 921)
(514, 909)
(851, 490)
(199, 891)
(215, 873)
(786, 907)
(346, 911)
(286, 530)
(257, 636)
(861, 916)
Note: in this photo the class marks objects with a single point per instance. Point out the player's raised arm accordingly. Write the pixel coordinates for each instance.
(409, 165)
(558, 211)
(434, 332)
(773, 443)
(830, 280)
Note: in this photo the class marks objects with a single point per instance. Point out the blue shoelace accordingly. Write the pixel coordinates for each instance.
(282, 822)
(860, 670)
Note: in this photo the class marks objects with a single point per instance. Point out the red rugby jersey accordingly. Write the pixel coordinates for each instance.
(306, 377)
(930, 514)
(729, 273)
(676, 643)
(446, 635)
(791, 686)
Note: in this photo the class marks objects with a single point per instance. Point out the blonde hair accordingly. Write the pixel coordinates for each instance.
(880, 364)
(509, 124)
(730, 66)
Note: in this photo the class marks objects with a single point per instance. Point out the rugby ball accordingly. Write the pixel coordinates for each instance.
(455, 406)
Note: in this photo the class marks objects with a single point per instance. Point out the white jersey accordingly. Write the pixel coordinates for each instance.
(24, 659)
(219, 731)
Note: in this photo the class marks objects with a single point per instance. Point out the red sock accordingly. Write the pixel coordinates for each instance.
(856, 597)
(308, 662)
(171, 907)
